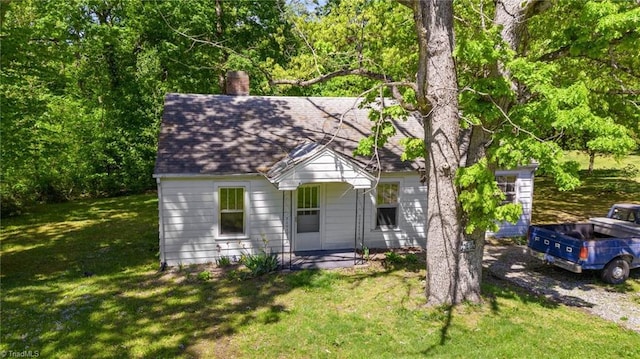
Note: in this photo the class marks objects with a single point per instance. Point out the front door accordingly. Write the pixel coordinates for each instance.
(308, 219)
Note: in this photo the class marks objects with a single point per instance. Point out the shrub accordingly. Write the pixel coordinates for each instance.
(411, 259)
(393, 258)
(223, 261)
(261, 263)
(204, 276)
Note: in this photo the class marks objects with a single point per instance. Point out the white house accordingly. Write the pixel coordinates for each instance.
(238, 174)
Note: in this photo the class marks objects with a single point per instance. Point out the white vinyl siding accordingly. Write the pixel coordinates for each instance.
(189, 215)
(266, 213)
(187, 232)
(189, 220)
(409, 232)
(339, 224)
(523, 194)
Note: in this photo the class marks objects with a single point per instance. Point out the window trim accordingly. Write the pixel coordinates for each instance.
(374, 224)
(246, 210)
(516, 187)
(318, 208)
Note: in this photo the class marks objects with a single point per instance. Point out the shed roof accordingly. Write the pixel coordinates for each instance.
(220, 134)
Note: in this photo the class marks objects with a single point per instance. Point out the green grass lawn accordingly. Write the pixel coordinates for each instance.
(81, 280)
(612, 181)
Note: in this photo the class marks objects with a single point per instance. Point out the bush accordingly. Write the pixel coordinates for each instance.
(409, 261)
(204, 276)
(223, 262)
(261, 263)
(393, 258)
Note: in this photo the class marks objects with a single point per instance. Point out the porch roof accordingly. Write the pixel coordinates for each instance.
(315, 163)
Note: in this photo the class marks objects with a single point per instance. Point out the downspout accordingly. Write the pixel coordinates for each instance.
(291, 228)
(364, 212)
(283, 233)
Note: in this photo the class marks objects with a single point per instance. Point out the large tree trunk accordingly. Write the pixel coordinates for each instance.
(454, 262)
(451, 278)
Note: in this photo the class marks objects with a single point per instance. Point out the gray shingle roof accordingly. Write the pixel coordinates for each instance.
(219, 134)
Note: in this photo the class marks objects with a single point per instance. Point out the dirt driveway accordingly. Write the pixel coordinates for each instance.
(619, 304)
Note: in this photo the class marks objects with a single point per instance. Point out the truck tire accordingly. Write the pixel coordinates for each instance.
(616, 271)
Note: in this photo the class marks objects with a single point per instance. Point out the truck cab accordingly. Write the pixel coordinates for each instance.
(623, 220)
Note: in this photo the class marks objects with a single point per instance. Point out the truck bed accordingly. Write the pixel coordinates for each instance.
(561, 244)
(582, 231)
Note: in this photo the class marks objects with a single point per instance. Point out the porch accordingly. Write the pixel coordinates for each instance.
(321, 259)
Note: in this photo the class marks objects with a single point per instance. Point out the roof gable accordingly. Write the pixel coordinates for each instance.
(313, 163)
(220, 135)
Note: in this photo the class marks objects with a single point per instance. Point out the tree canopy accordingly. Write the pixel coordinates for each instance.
(83, 83)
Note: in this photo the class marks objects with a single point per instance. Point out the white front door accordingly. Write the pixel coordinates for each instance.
(308, 219)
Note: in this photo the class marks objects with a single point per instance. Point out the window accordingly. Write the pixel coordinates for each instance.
(507, 185)
(231, 214)
(308, 209)
(624, 214)
(387, 205)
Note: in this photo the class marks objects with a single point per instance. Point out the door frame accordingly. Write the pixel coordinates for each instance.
(321, 219)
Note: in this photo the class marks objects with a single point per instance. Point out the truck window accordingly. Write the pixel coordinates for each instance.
(624, 214)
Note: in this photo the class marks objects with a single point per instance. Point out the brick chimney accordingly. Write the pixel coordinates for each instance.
(237, 83)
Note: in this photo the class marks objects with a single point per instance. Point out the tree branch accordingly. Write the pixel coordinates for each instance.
(565, 51)
(555, 54)
(504, 114)
(218, 45)
(407, 3)
(329, 76)
(633, 92)
(386, 82)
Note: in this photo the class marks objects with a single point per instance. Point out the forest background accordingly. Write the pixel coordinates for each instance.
(83, 81)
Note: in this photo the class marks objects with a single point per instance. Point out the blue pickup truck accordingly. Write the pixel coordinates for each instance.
(610, 244)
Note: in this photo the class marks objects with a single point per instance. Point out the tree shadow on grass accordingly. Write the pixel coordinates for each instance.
(556, 286)
(79, 239)
(82, 280)
(511, 274)
(592, 199)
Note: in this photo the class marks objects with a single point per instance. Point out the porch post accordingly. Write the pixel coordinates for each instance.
(283, 234)
(355, 234)
(358, 237)
(291, 234)
(364, 213)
